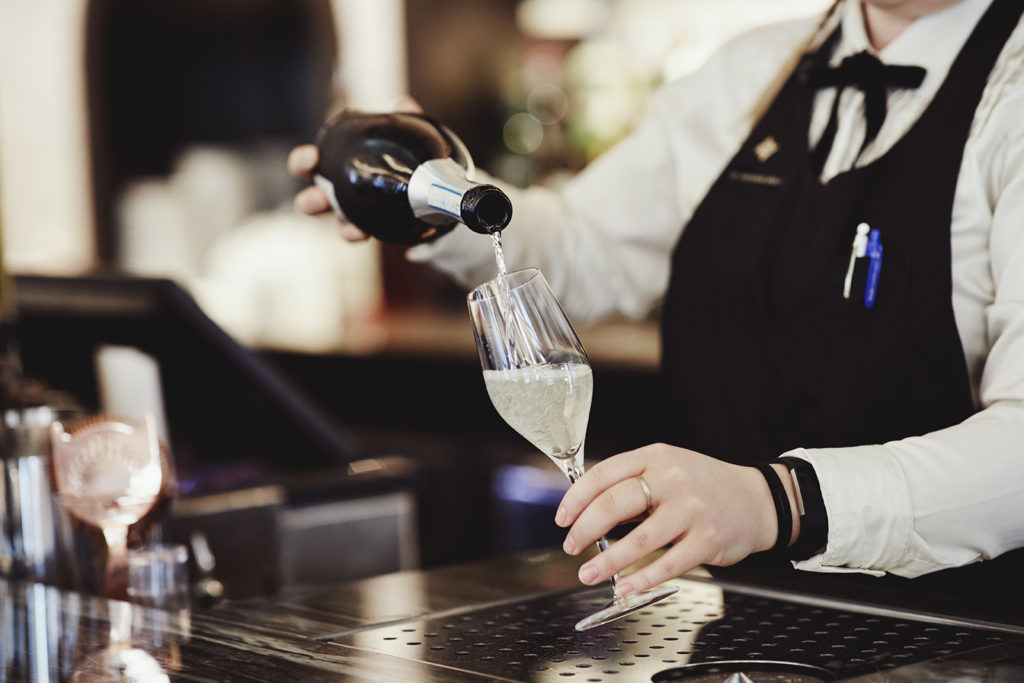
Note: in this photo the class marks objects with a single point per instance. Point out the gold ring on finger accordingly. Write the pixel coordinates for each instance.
(647, 493)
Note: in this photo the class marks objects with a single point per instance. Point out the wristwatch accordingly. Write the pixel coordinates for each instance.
(810, 506)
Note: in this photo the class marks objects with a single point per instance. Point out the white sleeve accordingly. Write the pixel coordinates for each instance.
(955, 496)
(604, 240)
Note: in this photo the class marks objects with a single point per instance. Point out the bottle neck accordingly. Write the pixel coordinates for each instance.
(436, 189)
(440, 191)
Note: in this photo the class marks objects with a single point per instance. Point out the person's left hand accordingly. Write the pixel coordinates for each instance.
(712, 512)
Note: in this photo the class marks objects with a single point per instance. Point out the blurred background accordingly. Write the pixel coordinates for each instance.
(149, 139)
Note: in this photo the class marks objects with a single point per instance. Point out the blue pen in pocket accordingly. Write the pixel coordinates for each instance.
(874, 254)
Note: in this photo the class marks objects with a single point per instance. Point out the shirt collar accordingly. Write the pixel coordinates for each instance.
(932, 41)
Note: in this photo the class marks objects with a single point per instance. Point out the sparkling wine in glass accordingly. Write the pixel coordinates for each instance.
(539, 379)
(108, 473)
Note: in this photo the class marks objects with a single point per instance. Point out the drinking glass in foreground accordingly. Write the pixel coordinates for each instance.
(539, 379)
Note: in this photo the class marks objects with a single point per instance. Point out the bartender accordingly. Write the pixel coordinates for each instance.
(831, 213)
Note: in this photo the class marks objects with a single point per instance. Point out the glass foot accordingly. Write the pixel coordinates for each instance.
(122, 664)
(621, 606)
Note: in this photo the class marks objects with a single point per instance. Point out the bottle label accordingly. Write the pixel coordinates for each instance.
(436, 189)
(445, 199)
(332, 197)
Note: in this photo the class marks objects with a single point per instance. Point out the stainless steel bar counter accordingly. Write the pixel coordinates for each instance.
(511, 619)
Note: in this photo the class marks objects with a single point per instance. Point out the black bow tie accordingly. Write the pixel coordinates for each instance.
(873, 78)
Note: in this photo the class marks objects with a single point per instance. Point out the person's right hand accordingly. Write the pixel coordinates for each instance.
(312, 200)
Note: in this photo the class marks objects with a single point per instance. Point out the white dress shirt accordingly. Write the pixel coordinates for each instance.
(604, 241)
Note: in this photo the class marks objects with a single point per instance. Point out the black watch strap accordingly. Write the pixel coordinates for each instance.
(783, 514)
(811, 507)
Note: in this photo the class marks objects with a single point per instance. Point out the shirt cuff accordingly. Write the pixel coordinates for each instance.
(867, 501)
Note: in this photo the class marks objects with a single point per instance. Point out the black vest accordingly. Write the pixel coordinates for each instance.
(762, 353)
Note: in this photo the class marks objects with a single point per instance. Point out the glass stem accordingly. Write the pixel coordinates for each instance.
(574, 471)
(116, 537)
(120, 624)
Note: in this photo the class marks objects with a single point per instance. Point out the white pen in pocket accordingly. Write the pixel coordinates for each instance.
(858, 250)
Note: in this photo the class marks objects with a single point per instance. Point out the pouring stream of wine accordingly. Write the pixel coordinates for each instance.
(506, 296)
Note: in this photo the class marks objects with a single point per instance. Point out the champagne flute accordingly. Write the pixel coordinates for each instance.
(539, 379)
(108, 473)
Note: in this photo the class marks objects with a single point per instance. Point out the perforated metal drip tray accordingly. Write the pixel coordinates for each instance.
(702, 633)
